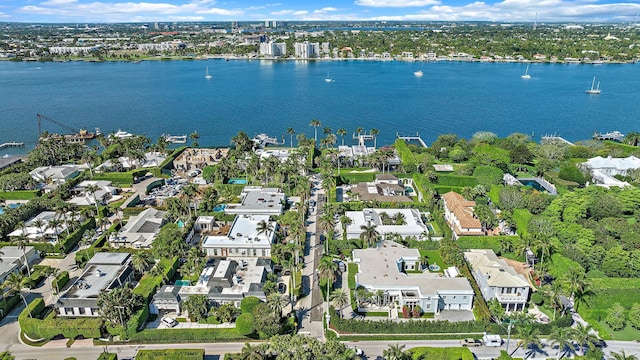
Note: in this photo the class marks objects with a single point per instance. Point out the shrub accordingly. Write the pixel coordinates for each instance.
(634, 316)
(171, 354)
(245, 324)
(615, 317)
(537, 299)
(107, 356)
(406, 313)
(170, 336)
(72, 240)
(51, 325)
(572, 173)
(417, 311)
(61, 280)
(248, 304)
(458, 353)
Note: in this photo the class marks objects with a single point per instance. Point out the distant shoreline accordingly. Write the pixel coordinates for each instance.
(236, 58)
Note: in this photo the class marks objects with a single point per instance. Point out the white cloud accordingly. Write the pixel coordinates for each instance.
(300, 12)
(396, 3)
(252, 8)
(325, 9)
(282, 12)
(57, 2)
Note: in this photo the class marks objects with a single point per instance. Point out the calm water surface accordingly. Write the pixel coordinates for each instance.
(155, 97)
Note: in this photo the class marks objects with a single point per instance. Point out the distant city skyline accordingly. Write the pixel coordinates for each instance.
(110, 11)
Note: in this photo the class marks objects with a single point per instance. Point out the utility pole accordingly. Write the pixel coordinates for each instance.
(508, 334)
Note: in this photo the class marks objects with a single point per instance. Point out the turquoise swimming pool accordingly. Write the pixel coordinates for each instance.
(237, 181)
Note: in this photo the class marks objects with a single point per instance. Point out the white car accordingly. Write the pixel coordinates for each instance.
(169, 321)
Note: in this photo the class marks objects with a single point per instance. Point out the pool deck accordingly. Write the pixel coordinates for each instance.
(542, 182)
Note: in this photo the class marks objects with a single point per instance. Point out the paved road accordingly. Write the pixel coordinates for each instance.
(372, 349)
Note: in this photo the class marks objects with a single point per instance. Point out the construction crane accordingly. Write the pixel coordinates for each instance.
(76, 135)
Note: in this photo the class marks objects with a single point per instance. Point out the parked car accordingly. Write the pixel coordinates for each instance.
(282, 288)
(600, 343)
(169, 321)
(471, 342)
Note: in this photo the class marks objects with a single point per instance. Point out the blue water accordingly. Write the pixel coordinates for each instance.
(237, 181)
(155, 97)
(220, 207)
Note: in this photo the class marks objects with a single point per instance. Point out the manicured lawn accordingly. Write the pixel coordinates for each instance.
(353, 270)
(494, 193)
(454, 353)
(436, 229)
(434, 258)
(521, 217)
(560, 265)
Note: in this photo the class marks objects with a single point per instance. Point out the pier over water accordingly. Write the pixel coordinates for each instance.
(415, 137)
(11, 144)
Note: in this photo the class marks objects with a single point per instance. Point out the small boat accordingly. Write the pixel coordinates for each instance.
(206, 74)
(595, 89)
(418, 73)
(328, 79)
(526, 73)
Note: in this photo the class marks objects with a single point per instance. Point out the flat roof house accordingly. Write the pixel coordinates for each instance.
(222, 281)
(243, 238)
(386, 268)
(497, 280)
(257, 200)
(140, 230)
(103, 195)
(44, 232)
(411, 222)
(385, 188)
(458, 213)
(12, 260)
(104, 272)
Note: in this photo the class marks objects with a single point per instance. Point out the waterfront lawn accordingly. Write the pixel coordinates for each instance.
(434, 258)
(453, 353)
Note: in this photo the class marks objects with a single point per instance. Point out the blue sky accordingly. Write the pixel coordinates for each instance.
(301, 10)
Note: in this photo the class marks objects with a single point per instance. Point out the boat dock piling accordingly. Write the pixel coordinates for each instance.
(11, 144)
(413, 138)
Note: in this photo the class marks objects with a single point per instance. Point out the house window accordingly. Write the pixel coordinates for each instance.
(81, 311)
(215, 252)
(464, 298)
(428, 306)
(254, 252)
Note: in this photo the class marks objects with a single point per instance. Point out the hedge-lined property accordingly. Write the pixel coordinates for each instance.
(49, 326)
(171, 354)
(19, 194)
(454, 353)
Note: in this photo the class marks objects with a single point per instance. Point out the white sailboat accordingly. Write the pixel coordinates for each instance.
(206, 74)
(328, 79)
(595, 89)
(526, 73)
(418, 73)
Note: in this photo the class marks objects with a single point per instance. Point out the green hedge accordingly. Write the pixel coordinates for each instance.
(51, 325)
(353, 270)
(61, 280)
(168, 336)
(245, 324)
(67, 244)
(8, 304)
(171, 354)
(348, 177)
(19, 194)
(408, 160)
(248, 304)
(409, 327)
(108, 356)
(148, 284)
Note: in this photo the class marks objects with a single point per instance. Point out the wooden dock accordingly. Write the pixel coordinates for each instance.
(415, 137)
(11, 144)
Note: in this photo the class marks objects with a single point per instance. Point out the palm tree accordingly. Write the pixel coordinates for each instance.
(291, 131)
(327, 270)
(54, 224)
(575, 280)
(51, 274)
(342, 132)
(140, 261)
(316, 124)
(554, 292)
(22, 241)
(340, 299)
(14, 283)
(92, 189)
(327, 224)
(264, 227)
(250, 352)
(277, 302)
(369, 234)
(194, 136)
(345, 221)
(584, 336)
(394, 352)
(622, 356)
(561, 336)
(529, 339)
(374, 132)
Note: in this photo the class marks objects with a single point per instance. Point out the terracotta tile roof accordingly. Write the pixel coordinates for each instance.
(462, 209)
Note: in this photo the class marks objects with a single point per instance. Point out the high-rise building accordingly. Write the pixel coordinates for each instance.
(307, 50)
(273, 49)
